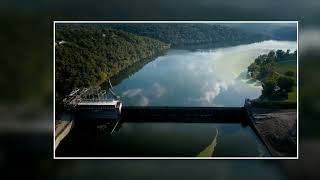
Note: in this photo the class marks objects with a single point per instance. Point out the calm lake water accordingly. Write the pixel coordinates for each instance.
(214, 77)
(165, 140)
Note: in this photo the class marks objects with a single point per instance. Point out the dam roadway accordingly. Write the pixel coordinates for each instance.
(183, 114)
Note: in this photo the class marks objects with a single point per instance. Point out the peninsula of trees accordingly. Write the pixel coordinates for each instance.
(277, 73)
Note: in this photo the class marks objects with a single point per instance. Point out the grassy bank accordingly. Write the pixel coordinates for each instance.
(282, 68)
(277, 71)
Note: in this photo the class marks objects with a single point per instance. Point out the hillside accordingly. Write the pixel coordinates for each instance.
(277, 31)
(186, 34)
(191, 34)
(277, 72)
(87, 56)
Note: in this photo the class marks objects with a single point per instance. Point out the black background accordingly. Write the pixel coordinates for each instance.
(26, 92)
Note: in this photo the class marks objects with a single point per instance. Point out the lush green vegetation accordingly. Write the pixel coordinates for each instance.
(191, 34)
(186, 34)
(277, 72)
(285, 66)
(87, 56)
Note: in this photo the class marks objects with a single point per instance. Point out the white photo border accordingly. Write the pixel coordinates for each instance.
(168, 158)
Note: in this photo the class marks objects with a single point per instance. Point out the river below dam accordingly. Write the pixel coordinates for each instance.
(200, 77)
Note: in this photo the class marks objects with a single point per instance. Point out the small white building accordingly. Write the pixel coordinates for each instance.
(61, 42)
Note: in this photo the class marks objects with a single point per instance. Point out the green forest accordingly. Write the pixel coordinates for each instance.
(277, 73)
(88, 54)
(184, 34)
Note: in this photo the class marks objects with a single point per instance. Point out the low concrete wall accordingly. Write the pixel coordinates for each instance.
(183, 114)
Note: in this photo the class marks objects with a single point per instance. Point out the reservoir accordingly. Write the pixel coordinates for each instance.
(198, 77)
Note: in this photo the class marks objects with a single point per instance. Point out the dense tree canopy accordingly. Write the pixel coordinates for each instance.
(285, 56)
(275, 85)
(286, 83)
(87, 56)
(190, 34)
(184, 34)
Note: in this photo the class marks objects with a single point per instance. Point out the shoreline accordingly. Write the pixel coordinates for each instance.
(276, 128)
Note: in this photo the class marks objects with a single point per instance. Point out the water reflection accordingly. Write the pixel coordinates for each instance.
(212, 77)
(165, 140)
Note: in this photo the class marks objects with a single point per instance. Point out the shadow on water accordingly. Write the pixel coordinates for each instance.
(154, 139)
(208, 46)
(130, 70)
